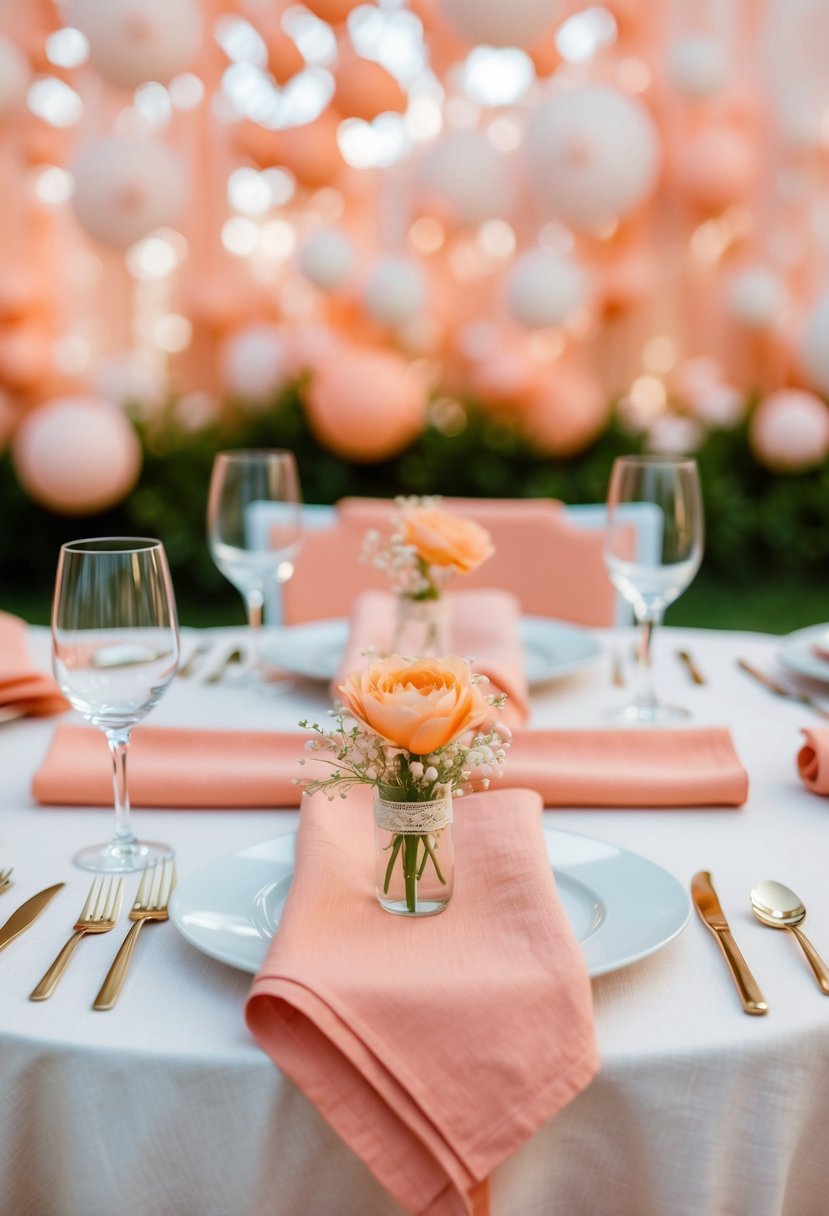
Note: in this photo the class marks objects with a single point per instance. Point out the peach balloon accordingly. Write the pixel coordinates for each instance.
(307, 347)
(567, 412)
(789, 431)
(310, 152)
(126, 186)
(366, 405)
(76, 455)
(8, 419)
(332, 11)
(26, 360)
(627, 282)
(132, 41)
(15, 74)
(364, 89)
(496, 23)
(21, 293)
(592, 155)
(717, 167)
(285, 59)
(814, 345)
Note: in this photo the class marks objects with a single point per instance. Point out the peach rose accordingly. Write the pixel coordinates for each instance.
(442, 539)
(416, 704)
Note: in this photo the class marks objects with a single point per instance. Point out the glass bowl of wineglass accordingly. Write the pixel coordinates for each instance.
(653, 580)
(115, 649)
(254, 530)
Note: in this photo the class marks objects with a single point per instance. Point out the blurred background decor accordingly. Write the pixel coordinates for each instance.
(454, 246)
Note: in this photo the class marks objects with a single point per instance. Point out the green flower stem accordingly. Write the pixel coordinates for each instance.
(395, 849)
(410, 847)
(430, 852)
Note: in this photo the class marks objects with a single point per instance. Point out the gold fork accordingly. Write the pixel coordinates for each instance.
(6, 879)
(154, 890)
(98, 915)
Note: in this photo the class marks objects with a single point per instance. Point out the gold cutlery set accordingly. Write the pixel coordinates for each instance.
(617, 666)
(99, 914)
(773, 904)
(781, 690)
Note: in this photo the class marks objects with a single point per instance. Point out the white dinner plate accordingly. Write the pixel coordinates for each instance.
(551, 648)
(621, 906)
(797, 652)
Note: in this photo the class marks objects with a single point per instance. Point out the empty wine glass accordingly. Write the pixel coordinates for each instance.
(652, 578)
(254, 528)
(115, 648)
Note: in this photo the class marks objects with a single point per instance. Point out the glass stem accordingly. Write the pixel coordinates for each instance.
(255, 601)
(644, 694)
(118, 741)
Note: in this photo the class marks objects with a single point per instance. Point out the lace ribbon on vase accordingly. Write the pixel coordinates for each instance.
(413, 818)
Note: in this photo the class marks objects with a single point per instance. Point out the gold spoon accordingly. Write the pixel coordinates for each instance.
(775, 905)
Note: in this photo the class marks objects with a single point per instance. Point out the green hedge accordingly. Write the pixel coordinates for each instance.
(755, 520)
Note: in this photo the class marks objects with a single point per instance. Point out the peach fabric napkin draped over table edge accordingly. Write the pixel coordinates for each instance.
(21, 683)
(434, 1047)
(178, 767)
(813, 759)
(483, 625)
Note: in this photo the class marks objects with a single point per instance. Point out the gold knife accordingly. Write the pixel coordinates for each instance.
(708, 905)
(26, 914)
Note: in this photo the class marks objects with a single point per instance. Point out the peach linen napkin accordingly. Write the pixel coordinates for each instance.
(21, 683)
(813, 759)
(483, 626)
(433, 1047)
(173, 767)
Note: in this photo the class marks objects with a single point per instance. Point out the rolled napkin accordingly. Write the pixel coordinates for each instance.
(172, 767)
(813, 759)
(629, 768)
(483, 626)
(434, 1048)
(21, 684)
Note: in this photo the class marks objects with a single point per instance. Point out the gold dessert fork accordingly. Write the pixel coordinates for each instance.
(98, 915)
(154, 891)
(6, 879)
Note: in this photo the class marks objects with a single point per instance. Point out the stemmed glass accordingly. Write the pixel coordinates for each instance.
(254, 528)
(651, 580)
(115, 649)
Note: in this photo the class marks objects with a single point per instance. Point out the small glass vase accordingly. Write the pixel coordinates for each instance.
(422, 628)
(414, 855)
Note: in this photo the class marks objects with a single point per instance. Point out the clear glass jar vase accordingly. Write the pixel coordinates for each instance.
(414, 855)
(421, 627)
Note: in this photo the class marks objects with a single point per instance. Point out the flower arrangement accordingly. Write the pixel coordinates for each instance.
(426, 545)
(418, 731)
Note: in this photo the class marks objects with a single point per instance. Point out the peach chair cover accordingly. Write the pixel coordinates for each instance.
(554, 567)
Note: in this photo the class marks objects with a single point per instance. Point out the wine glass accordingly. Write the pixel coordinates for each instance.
(650, 581)
(254, 528)
(115, 648)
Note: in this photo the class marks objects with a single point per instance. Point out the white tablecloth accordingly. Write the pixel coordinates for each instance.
(166, 1107)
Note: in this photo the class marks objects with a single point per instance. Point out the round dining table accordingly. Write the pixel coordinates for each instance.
(166, 1106)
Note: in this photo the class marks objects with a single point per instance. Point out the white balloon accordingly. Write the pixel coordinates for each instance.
(497, 23)
(593, 155)
(130, 381)
(675, 435)
(328, 258)
(14, 76)
(544, 288)
(131, 41)
(789, 430)
(126, 186)
(395, 291)
(254, 365)
(697, 66)
(720, 406)
(465, 176)
(757, 297)
(814, 347)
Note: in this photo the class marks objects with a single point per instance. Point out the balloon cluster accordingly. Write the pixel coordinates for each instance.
(534, 206)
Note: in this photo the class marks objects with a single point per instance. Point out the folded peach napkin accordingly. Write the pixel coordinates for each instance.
(483, 626)
(695, 766)
(21, 683)
(172, 767)
(813, 759)
(435, 1047)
